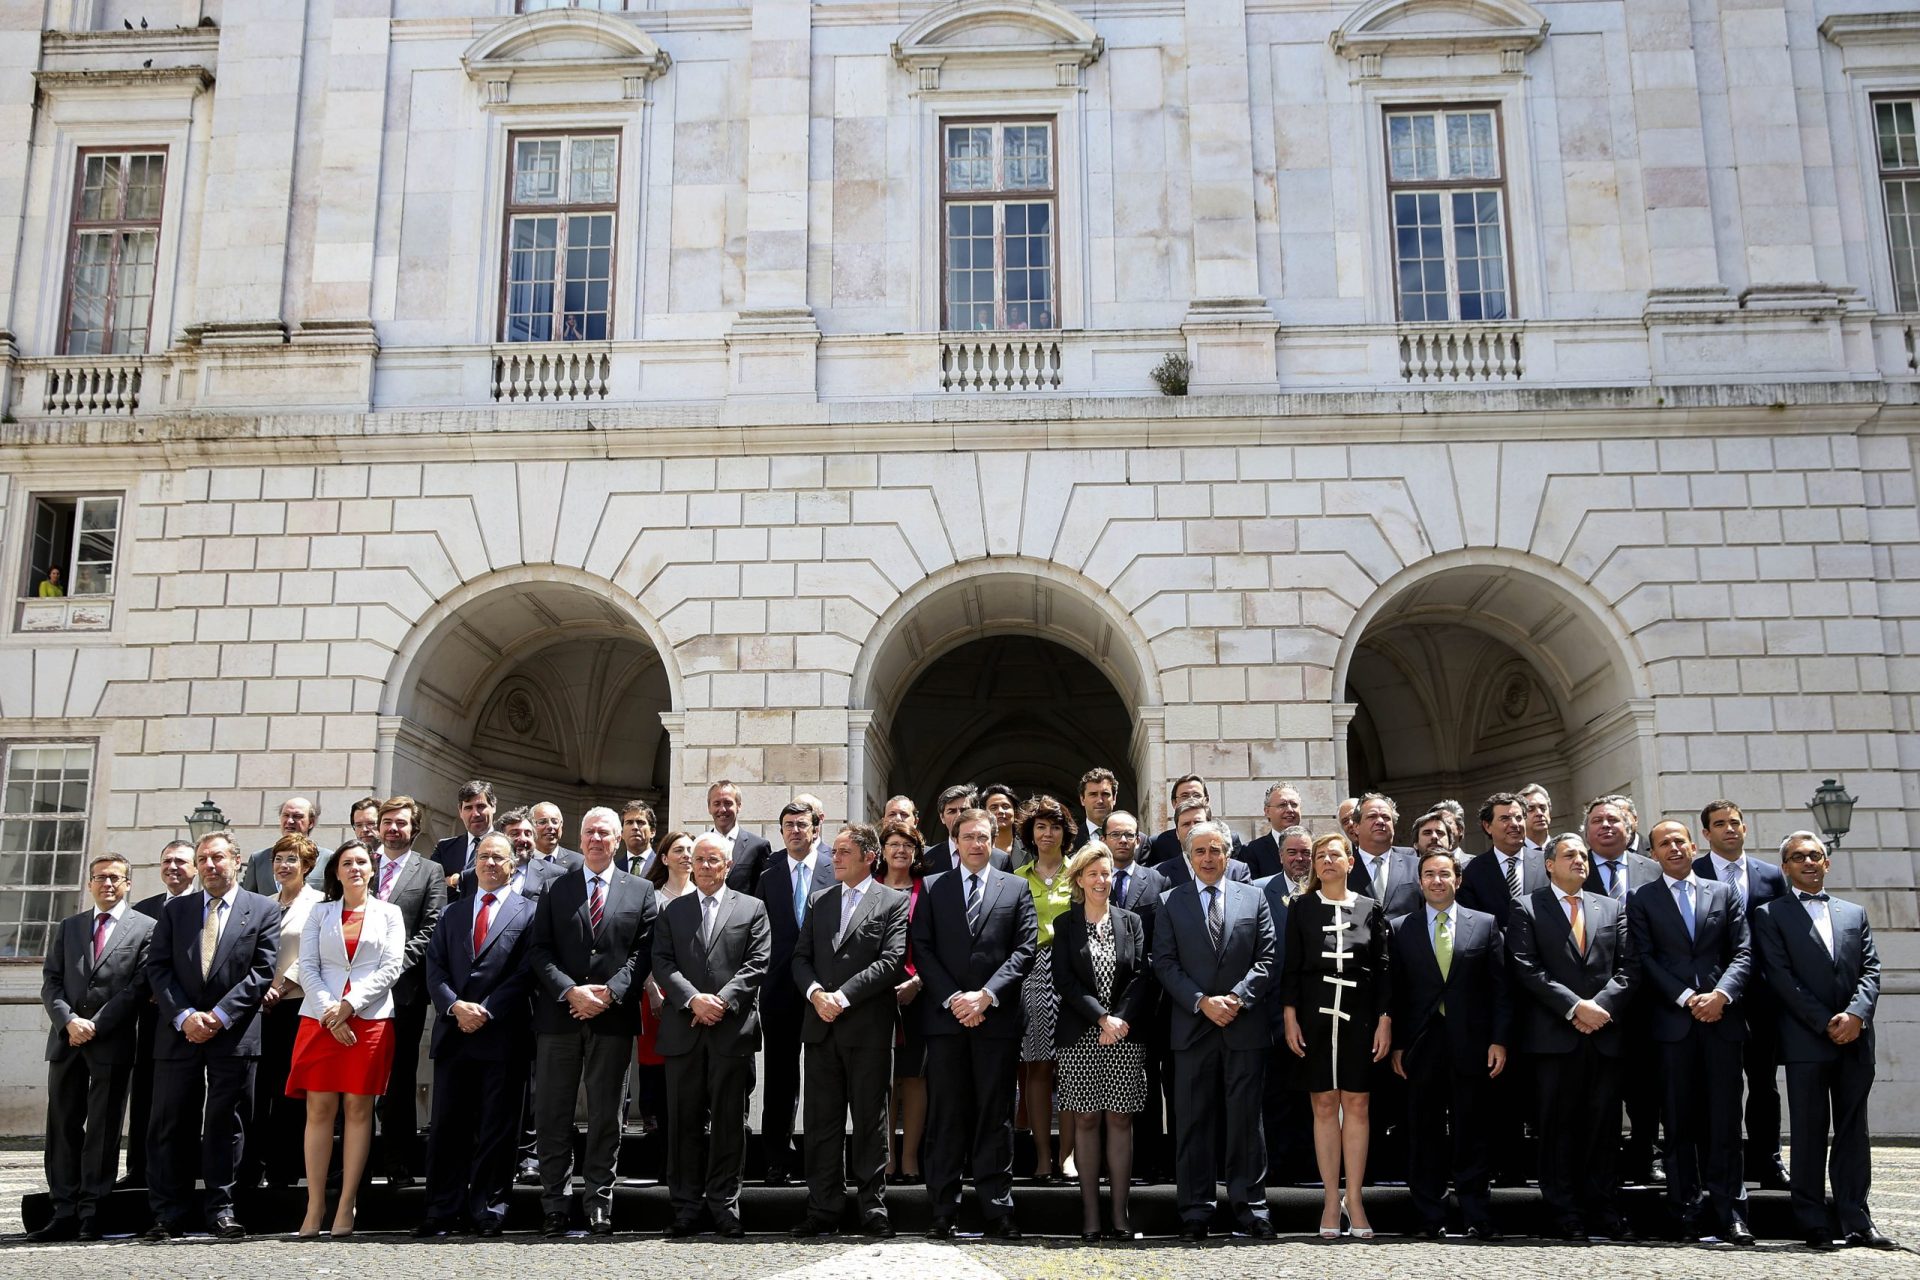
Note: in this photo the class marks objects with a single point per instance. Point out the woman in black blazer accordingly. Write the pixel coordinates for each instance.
(1106, 989)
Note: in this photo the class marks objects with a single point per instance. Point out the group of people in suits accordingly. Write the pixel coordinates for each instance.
(1341, 986)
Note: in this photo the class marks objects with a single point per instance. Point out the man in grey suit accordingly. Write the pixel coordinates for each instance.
(1821, 962)
(418, 888)
(846, 960)
(1388, 873)
(1213, 951)
(710, 951)
(93, 984)
(592, 945)
(1692, 939)
(297, 818)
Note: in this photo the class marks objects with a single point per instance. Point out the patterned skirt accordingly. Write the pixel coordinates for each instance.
(1102, 1077)
(1040, 1001)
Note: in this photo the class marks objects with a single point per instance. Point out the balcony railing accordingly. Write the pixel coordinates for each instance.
(1460, 353)
(90, 386)
(1000, 362)
(526, 373)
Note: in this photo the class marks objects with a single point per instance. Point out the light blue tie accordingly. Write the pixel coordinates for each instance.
(1684, 889)
(800, 895)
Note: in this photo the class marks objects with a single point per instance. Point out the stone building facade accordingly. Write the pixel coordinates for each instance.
(610, 398)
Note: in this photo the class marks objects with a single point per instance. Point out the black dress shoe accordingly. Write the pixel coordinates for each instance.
(1431, 1231)
(1259, 1229)
(778, 1178)
(433, 1228)
(600, 1225)
(1484, 1233)
(1774, 1178)
(877, 1225)
(940, 1230)
(684, 1227)
(398, 1176)
(528, 1174)
(733, 1231)
(228, 1227)
(553, 1225)
(1092, 1237)
(1869, 1239)
(1193, 1231)
(165, 1231)
(62, 1228)
(1001, 1229)
(1820, 1240)
(490, 1230)
(1739, 1233)
(812, 1228)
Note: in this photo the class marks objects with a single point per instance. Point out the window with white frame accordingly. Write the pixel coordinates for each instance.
(1894, 122)
(562, 202)
(72, 545)
(44, 794)
(113, 247)
(1446, 186)
(998, 199)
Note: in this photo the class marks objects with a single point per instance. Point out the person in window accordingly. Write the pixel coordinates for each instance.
(50, 588)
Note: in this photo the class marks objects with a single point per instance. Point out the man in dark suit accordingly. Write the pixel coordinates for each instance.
(1692, 939)
(209, 963)
(1099, 797)
(549, 830)
(710, 951)
(414, 885)
(1755, 883)
(1138, 887)
(1388, 873)
(786, 887)
(1176, 871)
(1493, 883)
(1574, 967)
(750, 853)
(1213, 952)
(297, 818)
(592, 948)
(1821, 962)
(532, 873)
(1615, 870)
(974, 937)
(1168, 845)
(93, 984)
(176, 874)
(478, 979)
(955, 801)
(1452, 1025)
(636, 856)
(850, 952)
(455, 854)
(1262, 855)
(1287, 1116)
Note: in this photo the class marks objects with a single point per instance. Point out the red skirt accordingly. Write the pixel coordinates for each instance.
(321, 1064)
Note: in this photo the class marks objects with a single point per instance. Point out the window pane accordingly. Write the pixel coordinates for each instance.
(536, 170)
(1413, 154)
(1480, 244)
(1471, 151)
(1894, 122)
(93, 552)
(1420, 241)
(87, 306)
(100, 189)
(1903, 239)
(970, 291)
(146, 187)
(44, 856)
(1029, 160)
(1029, 280)
(595, 165)
(969, 158)
(133, 289)
(588, 264)
(530, 278)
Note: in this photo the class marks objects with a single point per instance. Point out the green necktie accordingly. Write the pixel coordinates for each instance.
(1443, 949)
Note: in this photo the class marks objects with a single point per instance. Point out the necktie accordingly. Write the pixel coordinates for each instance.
(1813, 897)
(1216, 918)
(1737, 878)
(1579, 923)
(706, 919)
(800, 879)
(1443, 950)
(849, 903)
(596, 906)
(387, 869)
(1380, 879)
(480, 921)
(973, 902)
(473, 842)
(1120, 888)
(1611, 867)
(1683, 894)
(1513, 875)
(100, 935)
(210, 935)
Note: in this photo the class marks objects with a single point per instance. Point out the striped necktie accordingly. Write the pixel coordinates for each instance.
(596, 906)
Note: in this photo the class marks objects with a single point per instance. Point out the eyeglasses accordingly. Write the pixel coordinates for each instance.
(107, 879)
(1807, 855)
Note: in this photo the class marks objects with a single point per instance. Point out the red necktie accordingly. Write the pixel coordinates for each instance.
(480, 923)
(100, 935)
(597, 907)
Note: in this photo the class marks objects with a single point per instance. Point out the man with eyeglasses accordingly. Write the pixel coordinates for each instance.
(93, 984)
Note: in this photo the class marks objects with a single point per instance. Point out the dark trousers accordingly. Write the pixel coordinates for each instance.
(84, 1110)
(1819, 1092)
(842, 1079)
(140, 1093)
(1387, 1124)
(780, 1093)
(1641, 1092)
(1760, 1060)
(1700, 1110)
(1214, 1084)
(471, 1145)
(1507, 1105)
(1287, 1117)
(970, 1114)
(1579, 1096)
(278, 1123)
(1447, 1114)
(200, 1109)
(707, 1131)
(399, 1117)
(1152, 1147)
(566, 1061)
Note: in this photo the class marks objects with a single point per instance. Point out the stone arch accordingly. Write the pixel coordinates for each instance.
(1484, 667)
(978, 600)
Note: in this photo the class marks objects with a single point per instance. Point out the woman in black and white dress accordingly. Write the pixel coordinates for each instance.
(1105, 989)
(1335, 997)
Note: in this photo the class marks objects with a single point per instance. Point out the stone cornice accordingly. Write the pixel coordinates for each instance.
(109, 80)
(1872, 28)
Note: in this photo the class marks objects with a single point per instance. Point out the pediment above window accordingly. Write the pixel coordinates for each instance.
(563, 58)
(1011, 40)
(1437, 28)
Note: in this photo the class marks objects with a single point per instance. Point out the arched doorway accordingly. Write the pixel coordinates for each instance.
(1483, 671)
(548, 683)
(1006, 669)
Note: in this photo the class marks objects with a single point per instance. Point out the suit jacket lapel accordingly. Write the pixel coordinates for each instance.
(239, 916)
(503, 915)
(861, 911)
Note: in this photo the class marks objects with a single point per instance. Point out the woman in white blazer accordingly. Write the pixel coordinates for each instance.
(351, 950)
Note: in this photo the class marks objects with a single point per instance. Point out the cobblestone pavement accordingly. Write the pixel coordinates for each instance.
(1896, 1198)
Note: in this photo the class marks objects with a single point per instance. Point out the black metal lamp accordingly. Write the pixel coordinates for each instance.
(1832, 810)
(207, 818)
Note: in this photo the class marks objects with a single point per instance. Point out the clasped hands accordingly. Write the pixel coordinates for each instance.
(335, 1019)
(1220, 1010)
(1707, 1006)
(591, 1001)
(969, 1008)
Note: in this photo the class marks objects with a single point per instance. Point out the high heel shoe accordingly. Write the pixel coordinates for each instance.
(338, 1234)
